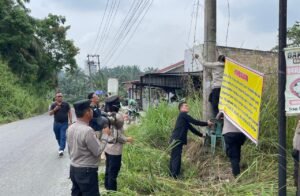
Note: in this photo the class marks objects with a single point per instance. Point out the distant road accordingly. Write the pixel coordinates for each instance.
(29, 162)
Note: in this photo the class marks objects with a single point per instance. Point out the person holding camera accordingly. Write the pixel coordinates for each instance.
(62, 118)
(113, 150)
(85, 149)
(94, 123)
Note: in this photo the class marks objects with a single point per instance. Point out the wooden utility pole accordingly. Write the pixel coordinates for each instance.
(209, 50)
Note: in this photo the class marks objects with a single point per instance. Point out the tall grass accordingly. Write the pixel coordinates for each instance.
(18, 101)
(145, 163)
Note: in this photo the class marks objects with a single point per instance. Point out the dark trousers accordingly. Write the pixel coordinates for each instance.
(234, 142)
(295, 155)
(60, 134)
(214, 100)
(85, 181)
(113, 166)
(175, 161)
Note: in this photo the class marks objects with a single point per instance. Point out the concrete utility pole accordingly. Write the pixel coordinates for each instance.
(209, 50)
(91, 62)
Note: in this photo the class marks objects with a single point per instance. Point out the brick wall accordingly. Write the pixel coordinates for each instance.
(263, 61)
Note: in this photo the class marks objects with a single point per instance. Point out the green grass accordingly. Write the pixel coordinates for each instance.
(145, 163)
(18, 101)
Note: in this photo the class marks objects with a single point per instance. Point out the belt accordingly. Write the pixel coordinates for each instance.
(83, 169)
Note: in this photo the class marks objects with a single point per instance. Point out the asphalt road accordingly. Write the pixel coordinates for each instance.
(29, 162)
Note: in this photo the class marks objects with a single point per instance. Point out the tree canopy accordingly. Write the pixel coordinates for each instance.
(293, 35)
(35, 49)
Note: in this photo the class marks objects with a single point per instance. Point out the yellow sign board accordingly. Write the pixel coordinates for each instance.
(240, 97)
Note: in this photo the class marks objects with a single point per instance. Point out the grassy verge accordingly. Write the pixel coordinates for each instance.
(145, 163)
(17, 101)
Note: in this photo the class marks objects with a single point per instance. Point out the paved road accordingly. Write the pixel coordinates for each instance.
(29, 162)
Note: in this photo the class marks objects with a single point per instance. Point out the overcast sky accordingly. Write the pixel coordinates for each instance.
(166, 30)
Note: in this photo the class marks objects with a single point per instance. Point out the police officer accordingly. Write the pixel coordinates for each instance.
(113, 150)
(85, 149)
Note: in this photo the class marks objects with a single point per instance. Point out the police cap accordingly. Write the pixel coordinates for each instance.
(112, 99)
(82, 105)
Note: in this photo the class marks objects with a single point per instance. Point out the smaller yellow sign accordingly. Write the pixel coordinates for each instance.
(240, 97)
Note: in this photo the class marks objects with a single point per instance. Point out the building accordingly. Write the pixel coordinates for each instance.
(186, 74)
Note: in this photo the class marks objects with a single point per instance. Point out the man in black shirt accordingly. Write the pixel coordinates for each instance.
(62, 118)
(179, 136)
(95, 122)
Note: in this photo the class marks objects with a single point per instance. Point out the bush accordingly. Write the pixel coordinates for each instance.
(17, 101)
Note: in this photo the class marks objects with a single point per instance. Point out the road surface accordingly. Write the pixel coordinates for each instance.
(29, 162)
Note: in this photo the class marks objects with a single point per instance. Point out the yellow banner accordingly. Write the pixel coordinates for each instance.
(240, 97)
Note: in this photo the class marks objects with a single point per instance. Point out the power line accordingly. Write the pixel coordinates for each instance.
(109, 28)
(112, 6)
(99, 29)
(192, 18)
(136, 27)
(127, 20)
(136, 15)
(228, 23)
(195, 31)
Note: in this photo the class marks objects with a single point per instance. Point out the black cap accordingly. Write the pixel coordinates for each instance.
(112, 99)
(82, 105)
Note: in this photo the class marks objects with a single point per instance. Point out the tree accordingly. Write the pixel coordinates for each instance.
(35, 49)
(150, 70)
(293, 35)
(74, 84)
(59, 52)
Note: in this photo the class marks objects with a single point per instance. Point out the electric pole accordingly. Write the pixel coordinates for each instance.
(209, 50)
(281, 99)
(89, 64)
(92, 61)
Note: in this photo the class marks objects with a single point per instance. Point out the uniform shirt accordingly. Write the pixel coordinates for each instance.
(61, 115)
(117, 138)
(96, 115)
(83, 146)
(217, 73)
(183, 125)
(228, 127)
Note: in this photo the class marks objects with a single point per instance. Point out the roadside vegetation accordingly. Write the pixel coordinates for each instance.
(32, 52)
(145, 163)
(18, 101)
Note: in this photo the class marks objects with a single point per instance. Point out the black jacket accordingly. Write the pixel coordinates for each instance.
(183, 123)
(94, 123)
